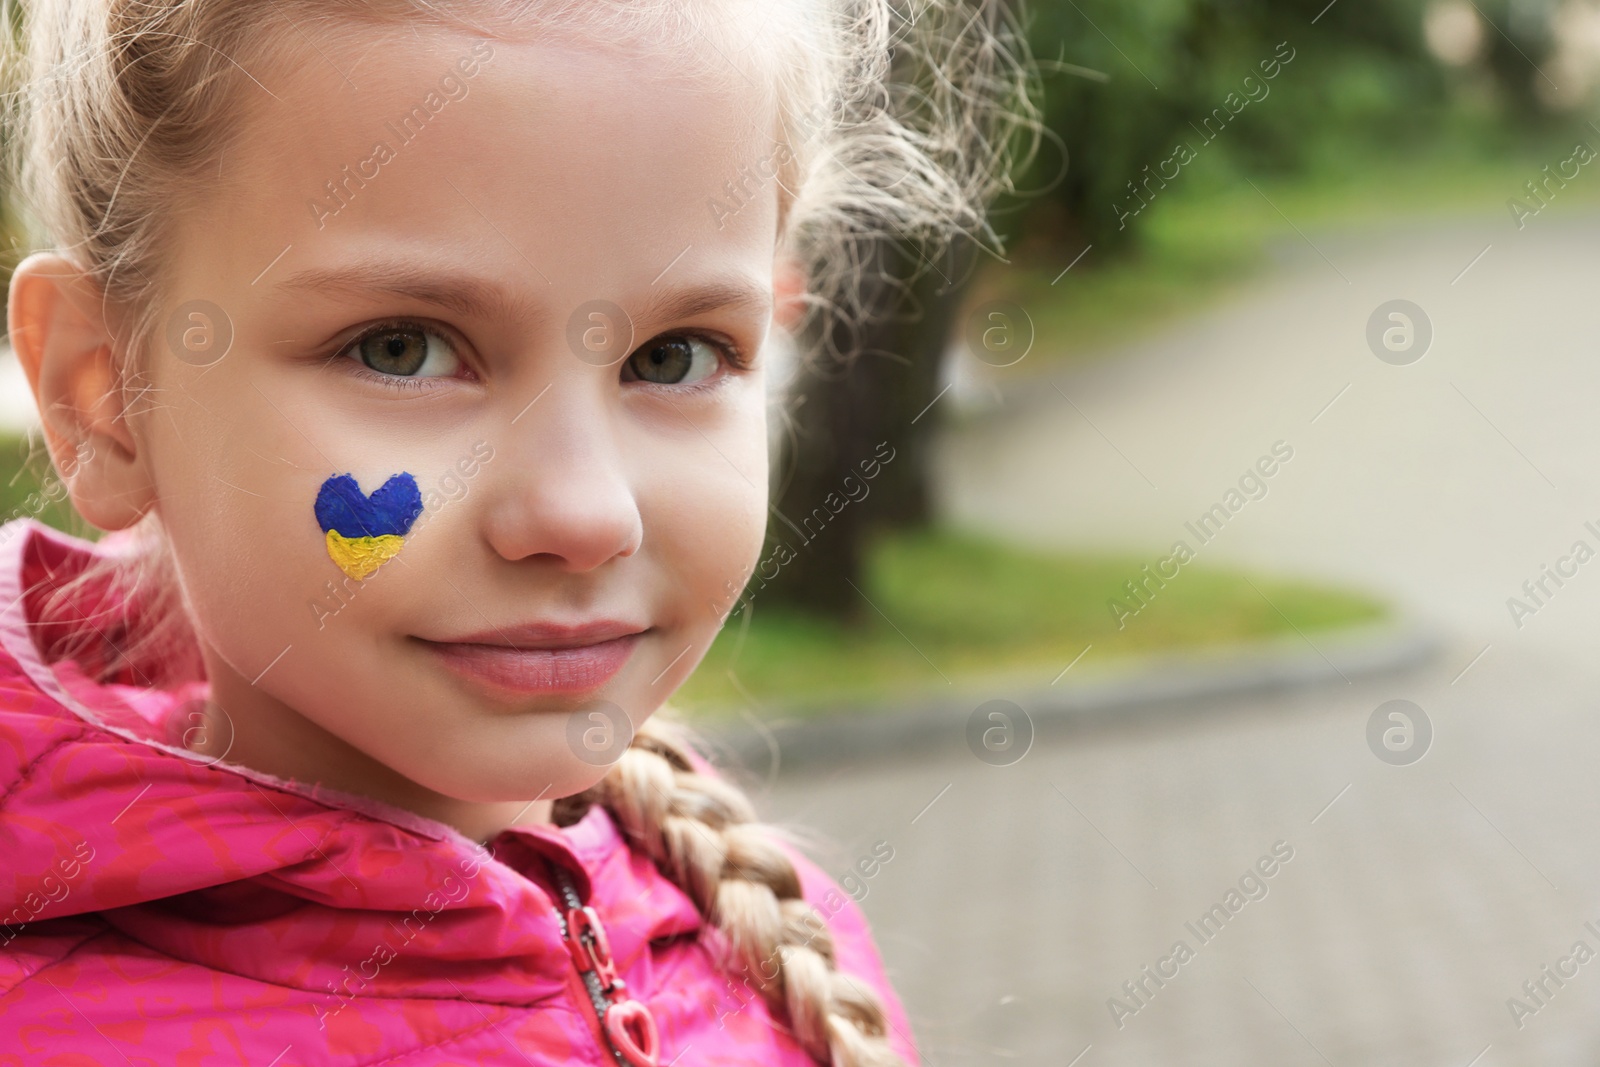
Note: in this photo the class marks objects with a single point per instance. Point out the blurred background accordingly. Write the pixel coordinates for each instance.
(1205, 569)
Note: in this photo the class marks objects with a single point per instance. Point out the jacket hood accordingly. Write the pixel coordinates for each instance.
(103, 809)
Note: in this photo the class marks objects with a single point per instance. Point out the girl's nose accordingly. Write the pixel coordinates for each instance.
(564, 490)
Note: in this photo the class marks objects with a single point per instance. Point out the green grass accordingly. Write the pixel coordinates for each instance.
(20, 489)
(1211, 234)
(954, 604)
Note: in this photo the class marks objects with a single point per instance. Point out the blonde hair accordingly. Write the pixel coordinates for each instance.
(897, 118)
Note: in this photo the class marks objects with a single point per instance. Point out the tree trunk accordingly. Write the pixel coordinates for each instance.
(857, 461)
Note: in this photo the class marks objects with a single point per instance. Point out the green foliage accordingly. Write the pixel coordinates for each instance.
(1361, 81)
(946, 604)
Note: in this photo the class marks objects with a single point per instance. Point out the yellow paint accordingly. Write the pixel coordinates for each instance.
(360, 556)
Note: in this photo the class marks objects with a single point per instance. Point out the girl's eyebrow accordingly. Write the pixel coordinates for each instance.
(465, 294)
(471, 296)
(743, 294)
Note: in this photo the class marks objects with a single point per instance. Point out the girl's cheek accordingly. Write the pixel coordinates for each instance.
(721, 544)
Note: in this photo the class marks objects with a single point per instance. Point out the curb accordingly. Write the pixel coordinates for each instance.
(1145, 689)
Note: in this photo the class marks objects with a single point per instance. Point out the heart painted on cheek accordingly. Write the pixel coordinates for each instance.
(363, 532)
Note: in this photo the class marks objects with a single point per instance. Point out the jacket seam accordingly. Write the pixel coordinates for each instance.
(110, 929)
(32, 765)
(58, 960)
(295, 988)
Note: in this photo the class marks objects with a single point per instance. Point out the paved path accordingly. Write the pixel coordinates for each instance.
(1446, 483)
(1419, 898)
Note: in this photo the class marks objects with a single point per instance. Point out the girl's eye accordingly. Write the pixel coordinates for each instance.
(677, 360)
(408, 351)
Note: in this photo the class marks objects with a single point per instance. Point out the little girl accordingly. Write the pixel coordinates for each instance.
(412, 353)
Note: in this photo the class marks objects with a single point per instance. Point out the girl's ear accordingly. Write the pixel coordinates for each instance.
(57, 322)
(788, 292)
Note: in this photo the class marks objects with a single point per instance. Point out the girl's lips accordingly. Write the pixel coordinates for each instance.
(576, 669)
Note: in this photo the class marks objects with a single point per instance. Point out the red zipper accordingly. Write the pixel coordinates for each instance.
(624, 1024)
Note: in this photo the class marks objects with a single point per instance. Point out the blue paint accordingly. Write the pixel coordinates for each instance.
(391, 509)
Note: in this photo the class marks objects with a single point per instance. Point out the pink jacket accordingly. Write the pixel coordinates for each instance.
(158, 909)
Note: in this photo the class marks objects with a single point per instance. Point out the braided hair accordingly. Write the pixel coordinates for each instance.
(701, 832)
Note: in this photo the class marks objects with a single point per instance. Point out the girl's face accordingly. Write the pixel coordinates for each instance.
(511, 275)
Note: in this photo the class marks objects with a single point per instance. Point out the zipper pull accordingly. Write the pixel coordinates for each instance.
(631, 1030)
(628, 1026)
(589, 948)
